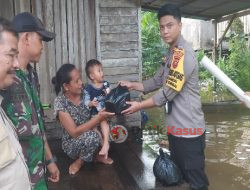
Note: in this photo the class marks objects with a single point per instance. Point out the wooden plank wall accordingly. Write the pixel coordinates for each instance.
(73, 44)
(118, 42)
(81, 26)
(73, 21)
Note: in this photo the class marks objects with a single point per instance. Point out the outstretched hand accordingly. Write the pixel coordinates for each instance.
(134, 107)
(102, 114)
(93, 103)
(128, 84)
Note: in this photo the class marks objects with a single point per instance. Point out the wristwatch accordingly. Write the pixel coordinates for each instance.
(52, 160)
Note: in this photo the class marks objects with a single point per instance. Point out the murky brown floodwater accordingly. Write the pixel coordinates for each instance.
(227, 144)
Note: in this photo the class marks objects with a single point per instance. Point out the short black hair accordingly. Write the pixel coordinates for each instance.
(5, 26)
(90, 64)
(169, 9)
(62, 76)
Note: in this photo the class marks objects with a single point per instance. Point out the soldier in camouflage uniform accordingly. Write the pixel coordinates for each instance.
(22, 103)
(11, 155)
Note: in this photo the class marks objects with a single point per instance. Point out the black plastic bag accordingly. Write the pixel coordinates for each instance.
(166, 171)
(116, 100)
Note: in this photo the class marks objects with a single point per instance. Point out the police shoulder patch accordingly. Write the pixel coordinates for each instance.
(176, 77)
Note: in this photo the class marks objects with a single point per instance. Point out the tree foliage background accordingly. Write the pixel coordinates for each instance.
(236, 64)
(153, 49)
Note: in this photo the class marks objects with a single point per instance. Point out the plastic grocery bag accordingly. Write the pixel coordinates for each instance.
(165, 170)
(116, 100)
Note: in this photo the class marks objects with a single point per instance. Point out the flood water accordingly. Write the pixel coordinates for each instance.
(227, 144)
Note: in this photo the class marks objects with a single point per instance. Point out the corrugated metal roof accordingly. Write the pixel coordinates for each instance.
(203, 9)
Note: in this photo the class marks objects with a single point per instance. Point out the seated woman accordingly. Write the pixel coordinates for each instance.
(80, 141)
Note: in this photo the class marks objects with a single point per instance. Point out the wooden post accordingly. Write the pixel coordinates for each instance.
(219, 44)
(226, 30)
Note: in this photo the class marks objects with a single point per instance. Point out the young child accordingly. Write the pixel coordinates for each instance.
(95, 93)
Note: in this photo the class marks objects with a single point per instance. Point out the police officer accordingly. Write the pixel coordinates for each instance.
(178, 80)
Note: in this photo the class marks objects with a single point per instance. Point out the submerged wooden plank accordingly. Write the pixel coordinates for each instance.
(125, 177)
(108, 177)
(86, 178)
(131, 170)
(91, 176)
(147, 157)
(140, 172)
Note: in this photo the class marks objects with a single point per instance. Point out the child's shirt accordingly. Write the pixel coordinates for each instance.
(91, 92)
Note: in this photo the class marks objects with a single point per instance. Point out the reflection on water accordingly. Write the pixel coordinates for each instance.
(227, 144)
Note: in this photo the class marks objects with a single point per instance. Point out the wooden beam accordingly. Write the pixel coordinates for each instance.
(184, 14)
(208, 8)
(199, 14)
(186, 3)
(148, 2)
(225, 32)
(228, 17)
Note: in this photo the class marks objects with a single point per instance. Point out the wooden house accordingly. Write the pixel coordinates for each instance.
(107, 30)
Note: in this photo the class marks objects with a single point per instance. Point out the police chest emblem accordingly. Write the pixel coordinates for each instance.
(176, 77)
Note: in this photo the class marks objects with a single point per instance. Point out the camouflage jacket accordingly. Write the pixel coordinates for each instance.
(22, 105)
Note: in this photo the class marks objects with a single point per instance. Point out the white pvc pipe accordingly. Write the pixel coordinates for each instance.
(222, 77)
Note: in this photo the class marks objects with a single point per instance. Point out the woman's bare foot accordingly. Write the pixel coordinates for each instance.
(75, 166)
(104, 151)
(102, 159)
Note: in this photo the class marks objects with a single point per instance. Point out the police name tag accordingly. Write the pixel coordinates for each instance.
(176, 77)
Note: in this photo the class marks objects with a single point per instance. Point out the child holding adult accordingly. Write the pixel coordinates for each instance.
(94, 94)
(79, 141)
